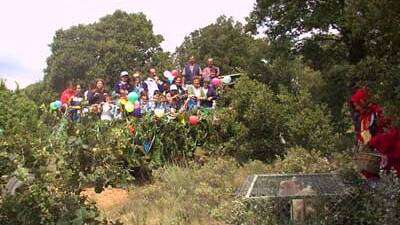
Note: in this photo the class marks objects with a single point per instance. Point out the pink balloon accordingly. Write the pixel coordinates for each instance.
(137, 105)
(215, 82)
(193, 120)
(174, 73)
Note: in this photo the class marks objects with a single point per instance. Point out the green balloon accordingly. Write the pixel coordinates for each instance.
(133, 97)
(53, 106)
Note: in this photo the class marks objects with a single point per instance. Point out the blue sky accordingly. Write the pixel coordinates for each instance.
(28, 26)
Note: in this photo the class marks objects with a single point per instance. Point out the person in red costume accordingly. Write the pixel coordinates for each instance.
(368, 122)
(388, 145)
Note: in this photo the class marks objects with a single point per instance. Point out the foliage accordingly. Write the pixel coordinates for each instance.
(272, 123)
(352, 43)
(359, 205)
(226, 42)
(117, 42)
(47, 198)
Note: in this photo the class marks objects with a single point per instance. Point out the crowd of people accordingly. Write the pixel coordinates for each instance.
(171, 93)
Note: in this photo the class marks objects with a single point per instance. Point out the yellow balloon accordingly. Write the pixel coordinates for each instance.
(129, 107)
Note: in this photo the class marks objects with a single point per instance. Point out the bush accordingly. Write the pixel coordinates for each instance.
(271, 123)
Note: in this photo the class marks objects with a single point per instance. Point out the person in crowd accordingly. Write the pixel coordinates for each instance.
(67, 95)
(191, 70)
(97, 96)
(368, 122)
(211, 94)
(108, 109)
(92, 86)
(75, 108)
(151, 84)
(136, 84)
(144, 103)
(195, 94)
(175, 100)
(178, 82)
(123, 84)
(165, 88)
(159, 83)
(210, 71)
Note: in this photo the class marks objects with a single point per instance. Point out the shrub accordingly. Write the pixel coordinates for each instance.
(271, 123)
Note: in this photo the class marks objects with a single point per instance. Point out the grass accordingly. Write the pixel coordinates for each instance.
(192, 194)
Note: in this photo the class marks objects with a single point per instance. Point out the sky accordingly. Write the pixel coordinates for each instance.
(27, 26)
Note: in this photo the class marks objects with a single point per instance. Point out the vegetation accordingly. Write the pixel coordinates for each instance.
(286, 114)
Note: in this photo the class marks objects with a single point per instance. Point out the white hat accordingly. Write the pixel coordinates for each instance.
(173, 88)
(124, 73)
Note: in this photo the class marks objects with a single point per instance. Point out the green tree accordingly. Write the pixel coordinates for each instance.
(227, 43)
(117, 42)
(353, 43)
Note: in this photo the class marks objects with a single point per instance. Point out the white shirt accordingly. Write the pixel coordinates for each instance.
(107, 112)
(151, 87)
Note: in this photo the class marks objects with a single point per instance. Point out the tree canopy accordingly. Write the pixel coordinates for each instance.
(117, 42)
(227, 43)
(353, 43)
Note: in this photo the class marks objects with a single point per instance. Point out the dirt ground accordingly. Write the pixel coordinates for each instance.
(108, 198)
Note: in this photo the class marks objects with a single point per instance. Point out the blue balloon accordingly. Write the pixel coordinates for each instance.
(58, 104)
(171, 79)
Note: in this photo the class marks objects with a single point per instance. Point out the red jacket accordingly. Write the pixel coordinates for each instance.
(67, 95)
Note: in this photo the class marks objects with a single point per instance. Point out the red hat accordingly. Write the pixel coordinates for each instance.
(361, 95)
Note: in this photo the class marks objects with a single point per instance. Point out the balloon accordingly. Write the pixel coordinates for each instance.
(58, 104)
(137, 105)
(159, 112)
(171, 79)
(227, 79)
(133, 97)
(193, 120)
(131, 129)
(53, 106)
(174, 73)
(215, 82)
(129, 107)
(1, 132)
(122, 101)
(167, 74)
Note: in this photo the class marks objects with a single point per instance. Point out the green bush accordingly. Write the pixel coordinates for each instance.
(271, 123)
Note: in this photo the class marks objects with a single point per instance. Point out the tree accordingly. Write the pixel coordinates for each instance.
(227, 43)
(117, 42)
(355, 42)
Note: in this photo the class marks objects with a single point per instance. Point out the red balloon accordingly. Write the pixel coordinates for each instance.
(193, 120)
(131, 129)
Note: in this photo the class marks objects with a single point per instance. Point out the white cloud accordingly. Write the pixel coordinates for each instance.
(28, 26)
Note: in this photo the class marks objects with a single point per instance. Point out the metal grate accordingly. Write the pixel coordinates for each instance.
(307, 185)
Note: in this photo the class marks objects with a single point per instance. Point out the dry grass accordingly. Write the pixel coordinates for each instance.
(178, 195)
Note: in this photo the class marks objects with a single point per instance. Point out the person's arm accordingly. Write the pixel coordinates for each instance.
(117, 88)
(218, 71)
(90, 97)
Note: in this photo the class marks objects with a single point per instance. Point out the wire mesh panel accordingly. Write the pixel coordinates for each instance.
(296, 198)
(292, 186)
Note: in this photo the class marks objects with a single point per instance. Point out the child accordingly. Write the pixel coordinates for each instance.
(75, 104)
(108, 109)
(123, 85)
(144, 103)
